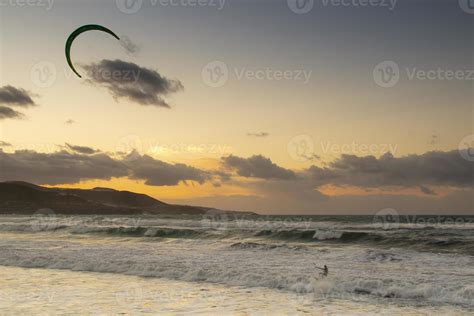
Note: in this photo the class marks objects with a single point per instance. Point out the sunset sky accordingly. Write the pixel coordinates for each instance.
(297, 119)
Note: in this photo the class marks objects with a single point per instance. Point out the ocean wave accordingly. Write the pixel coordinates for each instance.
(422, 240)
(318, 288)
(390, 289)
(263, 246)
(142, 232)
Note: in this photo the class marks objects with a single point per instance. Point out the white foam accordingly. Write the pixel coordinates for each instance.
(326, 235)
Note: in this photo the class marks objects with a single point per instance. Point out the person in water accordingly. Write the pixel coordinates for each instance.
(325, 271)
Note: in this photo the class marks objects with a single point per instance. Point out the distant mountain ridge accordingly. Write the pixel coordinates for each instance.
(26, 198)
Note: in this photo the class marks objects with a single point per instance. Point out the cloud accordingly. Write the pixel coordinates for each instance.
(448, 172)
(58, 168)
(160, 173)
(82, 149)
(12, 96)
(257, 167)
(7, 113)
(4, 144)
(259, 134)
(427, 190)
(130, 81)
(130, 47)
(275, 194)
(16, 97)
(433, 168)
(70, 122)
(79, 163)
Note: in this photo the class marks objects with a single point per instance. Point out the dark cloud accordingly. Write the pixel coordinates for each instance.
(130, 47)
(15, 97)
(257, 167)
(160, 173)
(69, 122)
(423, 172)
(79, 163)
(430, 169)
(82, 149)
(4, 144)
(58, 168)
(259, 134)
(130, 81)
(7, 113)
(427, 190)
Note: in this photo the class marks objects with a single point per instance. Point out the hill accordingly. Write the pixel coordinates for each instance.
(26, 198)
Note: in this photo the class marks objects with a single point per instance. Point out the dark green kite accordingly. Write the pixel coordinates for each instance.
(82, 29)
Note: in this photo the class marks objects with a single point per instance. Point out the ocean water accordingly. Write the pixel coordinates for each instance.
(236, 265)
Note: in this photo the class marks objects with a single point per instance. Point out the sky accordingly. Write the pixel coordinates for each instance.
(279, 107)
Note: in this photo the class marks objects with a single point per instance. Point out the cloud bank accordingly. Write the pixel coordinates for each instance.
(129, 81)
(8, 113)
(80, 163)
(257, 167)
(160, 173)
(275, 189)
(433, 168)
(16, 97)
